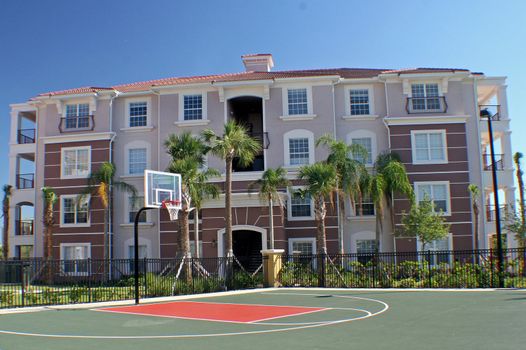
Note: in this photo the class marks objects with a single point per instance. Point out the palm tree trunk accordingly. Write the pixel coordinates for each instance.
(341, 214)
(228, 207)
(5, 235)
(185, 243)
(476, 213)
(196, 232)
(520, 183)
(106, 245)
(321, 212)
(271, 222)
(48, 236)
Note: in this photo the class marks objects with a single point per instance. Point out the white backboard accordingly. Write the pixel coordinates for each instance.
(160, 186)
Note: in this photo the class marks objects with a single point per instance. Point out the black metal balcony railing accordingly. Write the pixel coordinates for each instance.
(24, 181)
(490, 111)
(26, 136)
(77, 123)
(24, 227)
(262, 137)
(435, 104)
(491, 214)
(487, 165)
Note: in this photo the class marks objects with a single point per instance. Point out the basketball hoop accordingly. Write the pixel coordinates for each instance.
(173, 208)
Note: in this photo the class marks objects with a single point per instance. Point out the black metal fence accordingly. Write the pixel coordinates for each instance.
(425, 269)
(37, 282)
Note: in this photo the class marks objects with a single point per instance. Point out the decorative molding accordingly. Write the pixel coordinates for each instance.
(78, 137)
(416, 120)
(297, 117)
(360, 117)
(188, 123)
(137, 129)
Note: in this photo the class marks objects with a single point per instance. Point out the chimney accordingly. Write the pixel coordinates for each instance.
(259, 62)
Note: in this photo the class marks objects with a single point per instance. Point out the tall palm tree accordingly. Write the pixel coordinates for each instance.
(5, 213)
(520, 182)
(475, 194)
(234, 143)
(50, 198)
(269, 184)
(389, 177)
(321, 181)
(101, 184)
(350, 173)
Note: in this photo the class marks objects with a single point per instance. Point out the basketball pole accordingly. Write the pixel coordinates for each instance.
(136, 251)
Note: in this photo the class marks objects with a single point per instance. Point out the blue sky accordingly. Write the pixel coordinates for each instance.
(53, 45)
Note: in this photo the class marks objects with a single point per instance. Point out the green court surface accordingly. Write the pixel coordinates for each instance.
(347, 319)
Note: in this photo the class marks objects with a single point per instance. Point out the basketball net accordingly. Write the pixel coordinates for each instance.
(173, 208)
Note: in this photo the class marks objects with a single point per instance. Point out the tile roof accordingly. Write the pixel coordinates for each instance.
(348, 73)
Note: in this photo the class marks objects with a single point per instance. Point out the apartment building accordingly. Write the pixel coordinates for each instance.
(429, 116)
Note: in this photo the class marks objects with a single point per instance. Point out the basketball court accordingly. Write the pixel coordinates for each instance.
(281, 318)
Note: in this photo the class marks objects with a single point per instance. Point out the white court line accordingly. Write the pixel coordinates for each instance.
(290, 315)
(179, 336)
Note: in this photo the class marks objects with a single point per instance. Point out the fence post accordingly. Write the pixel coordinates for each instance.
(272, 262)
(429, 268)
(90, 276)
(145, 277)
(22, 279)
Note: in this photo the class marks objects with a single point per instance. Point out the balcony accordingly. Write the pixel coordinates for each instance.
(487, 165)
(262, 138)
(26, 136)
(435, 104)
(77, 123)
(491, 212)
(24, 227)
(25, 181)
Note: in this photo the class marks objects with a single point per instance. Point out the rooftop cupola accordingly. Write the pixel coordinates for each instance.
(259, 62)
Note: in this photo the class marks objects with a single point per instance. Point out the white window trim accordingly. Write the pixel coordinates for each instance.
(148, 126)
(360, 134)
(311, 240)
(134, 145)
(360, 236)
(285, 97)
(204, 120)
(293, 134)
(142, 242)
(289, 207)
(83, 244)
(413, 146)
(75, 197)
(347, 91)
(63, 150)
(448, 193)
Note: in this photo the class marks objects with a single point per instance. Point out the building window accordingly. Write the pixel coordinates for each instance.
(429, 147)
(192, 248)
(297, 101)
(365, 248)
(302, 246)
(75, 162)
(74, 256)
(143, 254)
(137, 160)
(299, 148)
(138, 112)
(299, 151)
(77, 116)
(24, 251)
(134, 205)
(437, 251)
(74, 212)
(359, 100)
(437, 193)
(425, 97)
(193, 107)
(300, 208)
(367, 144)
(367, 206)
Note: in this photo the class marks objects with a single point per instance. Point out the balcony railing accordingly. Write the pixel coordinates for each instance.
(490, 111)
(77, 123)
(435, 104)
(24, 181)
(24, 227)
(262, 137)
(491, 214)
(26, 136)
(486, 162)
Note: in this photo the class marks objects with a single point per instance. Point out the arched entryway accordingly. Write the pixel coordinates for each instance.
(247, 243)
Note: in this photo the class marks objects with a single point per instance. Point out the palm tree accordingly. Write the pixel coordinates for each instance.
(389, 177)
(350, 175)
(520, 182)
(101, 184)
(475, 194)
(321, 181)
(50, 198)
(234, 143)
(5, 213)
(269, 184)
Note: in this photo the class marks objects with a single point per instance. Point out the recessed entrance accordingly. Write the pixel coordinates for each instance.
(247, 247)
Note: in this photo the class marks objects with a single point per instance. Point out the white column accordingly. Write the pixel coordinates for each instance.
(503, 101)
